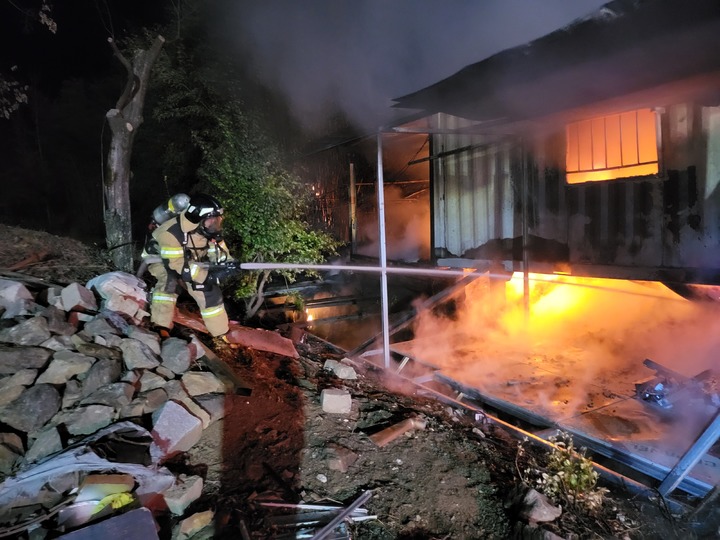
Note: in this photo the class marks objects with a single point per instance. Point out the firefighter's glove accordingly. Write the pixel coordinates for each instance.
(219, 272)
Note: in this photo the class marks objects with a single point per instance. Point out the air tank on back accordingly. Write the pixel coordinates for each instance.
(171, 208)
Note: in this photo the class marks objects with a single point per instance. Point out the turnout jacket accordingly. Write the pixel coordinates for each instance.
(187, 252)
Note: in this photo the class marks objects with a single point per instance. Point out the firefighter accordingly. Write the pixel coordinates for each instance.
(187, 244)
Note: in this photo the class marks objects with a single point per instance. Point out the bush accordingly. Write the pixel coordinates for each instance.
(568, 478)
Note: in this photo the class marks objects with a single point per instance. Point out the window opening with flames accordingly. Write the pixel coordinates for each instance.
(609, 147)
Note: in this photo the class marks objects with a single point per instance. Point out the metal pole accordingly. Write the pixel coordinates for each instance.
(330, 527)
(353, 211)
(692, 456)
(383, 254)
(525, 235)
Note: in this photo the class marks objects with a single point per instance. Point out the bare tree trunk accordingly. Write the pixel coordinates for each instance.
(124, 121)
(253, 304)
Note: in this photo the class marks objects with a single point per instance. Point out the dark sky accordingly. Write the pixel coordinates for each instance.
(352, 54)
(78, 48)
(361, 54)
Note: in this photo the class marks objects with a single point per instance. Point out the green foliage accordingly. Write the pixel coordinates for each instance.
(12, 95)
(209, 136)
(12, 92)
(264, 203)
(568, 477)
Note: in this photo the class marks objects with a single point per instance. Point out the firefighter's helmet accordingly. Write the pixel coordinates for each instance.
(203, 207)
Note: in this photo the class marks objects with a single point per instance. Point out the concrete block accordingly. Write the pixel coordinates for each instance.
(193, 525)
(98, 486)
(174, 430)
(336, 401)
(75, 297)
(12, 291)
(342, 371)
(186, 490)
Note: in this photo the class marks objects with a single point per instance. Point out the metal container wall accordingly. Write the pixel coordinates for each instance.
(669, 221)
(472, 190)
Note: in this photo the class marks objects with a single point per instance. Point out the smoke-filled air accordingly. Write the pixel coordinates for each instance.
(328, 55)
(579, 346)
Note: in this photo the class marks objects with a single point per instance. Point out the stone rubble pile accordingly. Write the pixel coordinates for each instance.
(79, 372)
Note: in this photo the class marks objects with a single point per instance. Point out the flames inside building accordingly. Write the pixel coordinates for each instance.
(630, 365)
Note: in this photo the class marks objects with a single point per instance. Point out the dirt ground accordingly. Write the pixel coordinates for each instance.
(454, 479)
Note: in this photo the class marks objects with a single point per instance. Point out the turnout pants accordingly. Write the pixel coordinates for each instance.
(165, 295)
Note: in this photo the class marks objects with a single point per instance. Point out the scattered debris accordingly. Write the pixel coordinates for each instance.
(317, 521)
(79, 378)
(447, 481)
(387, 435)
(669, 388)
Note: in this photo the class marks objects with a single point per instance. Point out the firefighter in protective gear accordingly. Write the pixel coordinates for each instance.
(187, 244)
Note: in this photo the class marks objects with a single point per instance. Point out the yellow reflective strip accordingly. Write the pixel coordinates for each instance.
(164, 298)
(212, 312)
(194, 270)
(171, 253)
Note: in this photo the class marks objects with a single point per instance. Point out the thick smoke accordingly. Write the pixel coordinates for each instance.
(407, 228)
(355, 57)
(580, 348)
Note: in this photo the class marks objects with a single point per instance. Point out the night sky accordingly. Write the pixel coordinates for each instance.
(359, 55)
(323, 56)
(320, 53)
(79, 46)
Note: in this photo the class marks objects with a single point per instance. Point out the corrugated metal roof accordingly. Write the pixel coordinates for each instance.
(626, 46)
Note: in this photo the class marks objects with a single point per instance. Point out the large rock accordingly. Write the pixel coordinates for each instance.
(151, 339)
(176, 355)
(46, 442)
(31, 332)
(137, 355)
(86, 420)
(32, 409)
(101, 373)
(64, 366)
(11, 449)
(99, 351)
(99, 326)
(197, 383)
(24, 377)
(144, 403)
(13, 359)
(116, 395)
(57, 322)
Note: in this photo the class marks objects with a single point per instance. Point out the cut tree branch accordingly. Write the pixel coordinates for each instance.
(132, 84)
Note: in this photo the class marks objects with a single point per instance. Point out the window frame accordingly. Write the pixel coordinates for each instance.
(592, 121)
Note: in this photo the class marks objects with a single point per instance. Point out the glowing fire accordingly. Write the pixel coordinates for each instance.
(621, 145)
(560, 294)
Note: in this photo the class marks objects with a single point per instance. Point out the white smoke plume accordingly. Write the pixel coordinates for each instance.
(328, 55)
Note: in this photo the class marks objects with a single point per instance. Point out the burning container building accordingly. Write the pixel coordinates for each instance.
(592, 153)
(596, 146)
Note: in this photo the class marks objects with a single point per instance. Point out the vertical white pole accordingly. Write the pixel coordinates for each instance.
(525, 235)
(383, 254)
(353, 211)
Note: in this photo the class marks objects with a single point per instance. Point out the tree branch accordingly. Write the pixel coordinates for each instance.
(132, 83)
